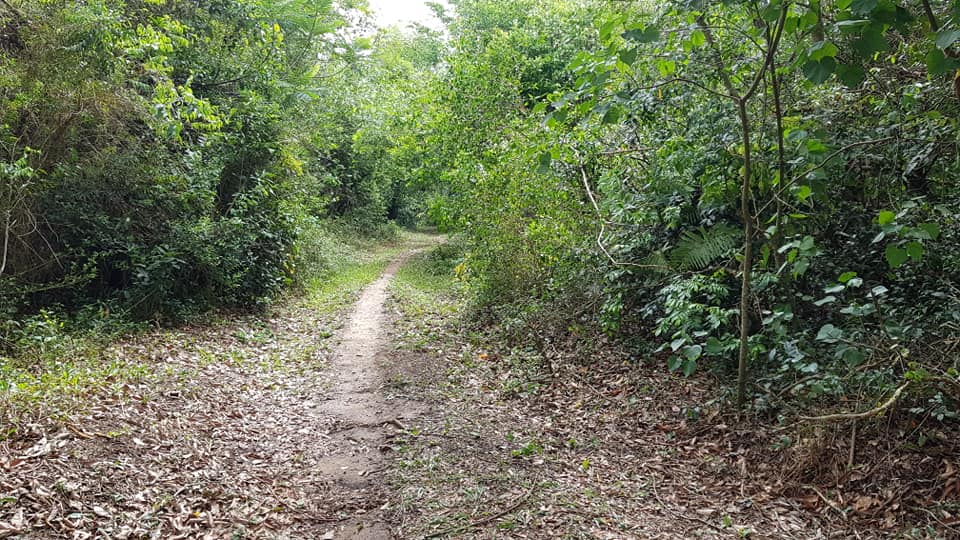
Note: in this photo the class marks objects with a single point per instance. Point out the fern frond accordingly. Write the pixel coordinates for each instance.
(656, 263)
(700, 247)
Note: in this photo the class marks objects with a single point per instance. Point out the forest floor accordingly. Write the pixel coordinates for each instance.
(392, 419)
(584, 441)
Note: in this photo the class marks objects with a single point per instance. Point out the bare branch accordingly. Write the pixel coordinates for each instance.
(6, 240)
(596, 207)
(861, 415)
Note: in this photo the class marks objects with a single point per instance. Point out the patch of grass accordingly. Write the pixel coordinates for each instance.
(427, 284)
(330, 293)
(357, 263)
(56, 387)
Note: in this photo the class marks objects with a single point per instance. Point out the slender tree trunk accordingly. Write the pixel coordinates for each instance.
(746, 200)
(781, 164)
(746, 188)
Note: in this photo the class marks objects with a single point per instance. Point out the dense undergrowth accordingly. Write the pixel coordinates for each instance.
(159, 159)
(546, 434)
(762, 190)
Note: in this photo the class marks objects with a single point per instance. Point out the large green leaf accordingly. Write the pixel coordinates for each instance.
(818, 71)
(647, 34)
(895, 255)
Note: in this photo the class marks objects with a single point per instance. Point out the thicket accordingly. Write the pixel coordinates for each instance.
(763, 189)
(162, 157)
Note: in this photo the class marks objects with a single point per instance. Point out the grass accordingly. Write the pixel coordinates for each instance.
(354, 264)
(427, 284)
(56, 387)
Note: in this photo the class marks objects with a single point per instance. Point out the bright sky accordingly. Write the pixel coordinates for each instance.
(402, 12)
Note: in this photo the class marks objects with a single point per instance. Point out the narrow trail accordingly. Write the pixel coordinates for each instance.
(249, 428)
(357, 463)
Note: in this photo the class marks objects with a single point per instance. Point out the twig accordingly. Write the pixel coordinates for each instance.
(865, 414)
(603, 229)
(853, 445)
(954, 530)
(824, 163)
(931, 18)
(830, 503)
(6, 242)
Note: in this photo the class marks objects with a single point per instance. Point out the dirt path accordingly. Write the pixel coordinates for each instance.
(357, 462)
(254, 427)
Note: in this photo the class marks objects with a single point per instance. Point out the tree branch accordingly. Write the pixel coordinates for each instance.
(771, 51)
(861, 415)
(823, 163)
(931, 18)
(6, 240)
(596, 207)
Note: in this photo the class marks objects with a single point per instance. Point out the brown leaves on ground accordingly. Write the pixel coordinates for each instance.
(586, 445)
(222, 439)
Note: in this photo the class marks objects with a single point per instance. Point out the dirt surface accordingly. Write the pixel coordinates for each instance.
(358, 462)
(250, 427)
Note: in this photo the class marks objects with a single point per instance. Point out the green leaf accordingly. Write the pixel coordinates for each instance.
(946, 38)
(544, 162)
(829, 334)
(852, 26)
(714, 346)
(846, 276)
(932, 229)
(863, 7)
(642, 35)
(697, 38)
(851, 75)
(689, 367)
(822, 49)
(607, 28)
(815, 146)
(879, 290)
(772, 12)
(692, 352)
(825, 300)
(938, 63)
(915, 251)
(613, 115)
(853, 356)
(886, 217)
(896, 256)
(818, 72)
(697, 248)
(812, 367)
(666, 67)
(628, 57)
(674, 363)
(870, 42)
(808, 20)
